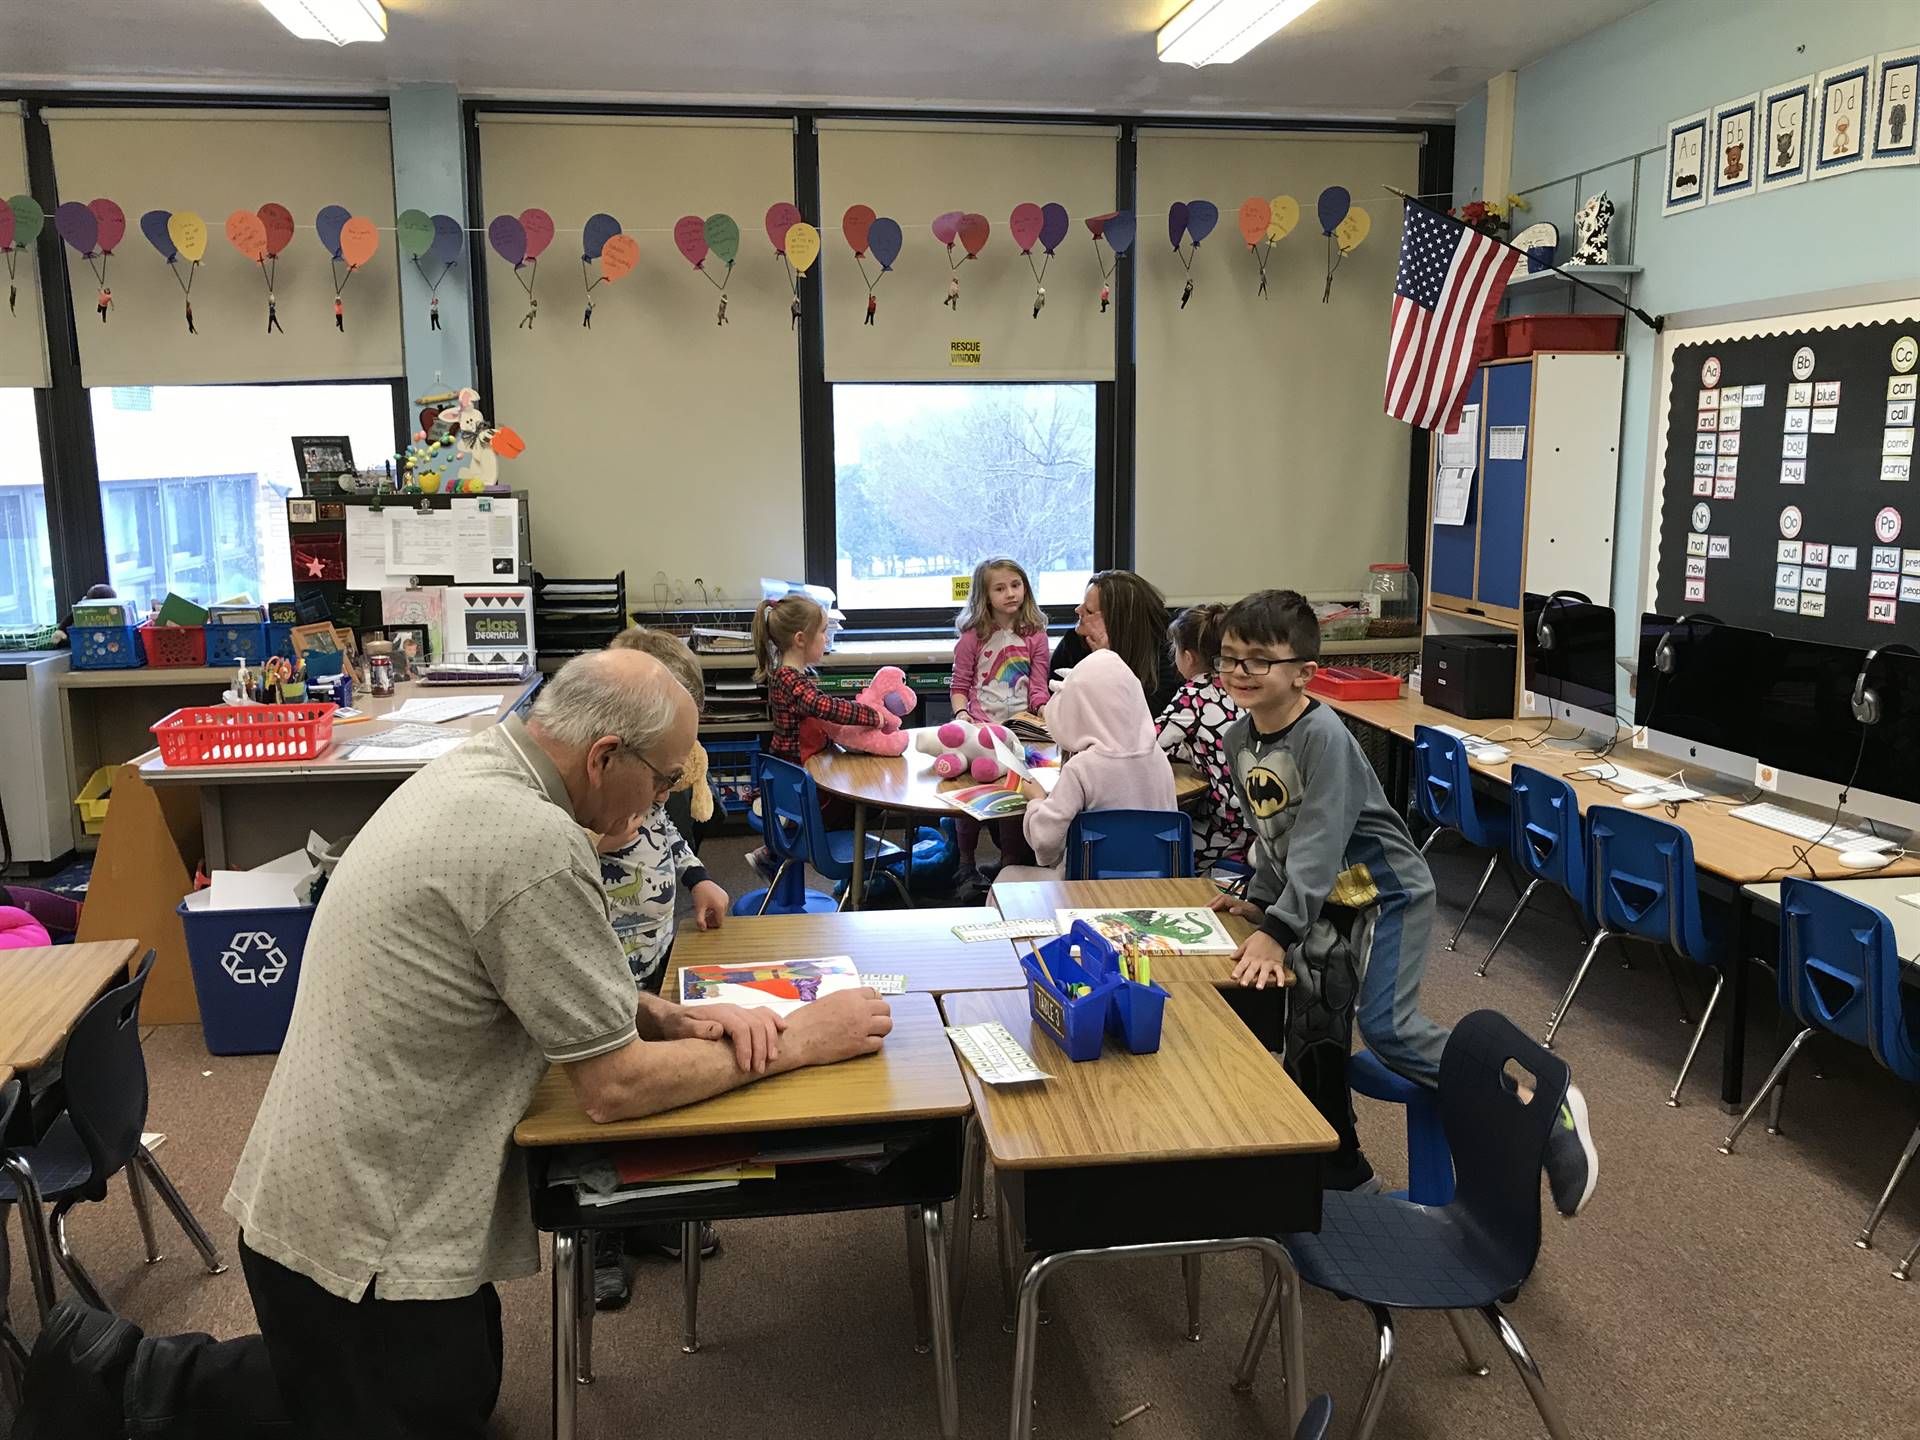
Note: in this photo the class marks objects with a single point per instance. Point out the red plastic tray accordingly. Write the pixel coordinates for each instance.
(174, 647)
(1520, 335)
(244, 734)
(1354, 682)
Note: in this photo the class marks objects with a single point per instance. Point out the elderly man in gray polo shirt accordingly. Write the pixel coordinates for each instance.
(462, 945)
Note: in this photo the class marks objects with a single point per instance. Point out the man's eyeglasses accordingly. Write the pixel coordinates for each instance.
(1251, 664)
(662, 779)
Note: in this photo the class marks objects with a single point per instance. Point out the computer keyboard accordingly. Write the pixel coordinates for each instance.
(1810, 827)
(1477, 747)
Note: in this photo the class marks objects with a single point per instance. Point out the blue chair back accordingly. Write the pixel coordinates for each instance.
(1643, 880)
(1319, 1415)
(787, 799)
(1443, 789)
(1498, 1142)
(1840, 972)
(104, 1074)
(1129, 845)
(1549, 839)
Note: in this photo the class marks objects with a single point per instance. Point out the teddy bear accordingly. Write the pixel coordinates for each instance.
(889, 693)
(965, 750)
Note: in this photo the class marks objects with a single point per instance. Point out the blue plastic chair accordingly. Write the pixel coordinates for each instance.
(1472, 1254)
(1130, 845)
(796, 800)
(1840, 975)
(1643, 886)
(1548, 843)
(1429, 1161)
(785, 840)
(1313, 1424)
(1443, 794)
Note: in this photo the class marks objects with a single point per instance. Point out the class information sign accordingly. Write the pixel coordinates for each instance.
(963, 352)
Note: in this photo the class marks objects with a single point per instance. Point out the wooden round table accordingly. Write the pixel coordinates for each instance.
(906, 783)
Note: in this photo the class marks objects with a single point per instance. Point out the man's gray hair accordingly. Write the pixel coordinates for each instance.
(595, 695)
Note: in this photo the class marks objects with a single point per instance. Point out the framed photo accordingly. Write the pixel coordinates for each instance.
(1842, 115)
(1732, 172)
(410, 647)
(349, 644)
(1687, 158)
(1896, 78)
(322, 456)
(321, 637)
(1784, 114)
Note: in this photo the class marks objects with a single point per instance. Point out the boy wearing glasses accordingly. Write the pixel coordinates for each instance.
(1343, 898)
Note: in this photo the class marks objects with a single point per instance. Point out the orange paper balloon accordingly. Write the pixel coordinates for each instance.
(248, 235)
(359, 238)
(1255, 215)
(618, 257)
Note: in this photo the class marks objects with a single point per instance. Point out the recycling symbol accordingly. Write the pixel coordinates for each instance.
(253, 957)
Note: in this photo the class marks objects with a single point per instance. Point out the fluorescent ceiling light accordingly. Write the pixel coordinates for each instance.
(1219, 32)
(340, 21)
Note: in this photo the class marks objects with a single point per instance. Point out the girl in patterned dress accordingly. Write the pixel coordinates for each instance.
(1193, 729)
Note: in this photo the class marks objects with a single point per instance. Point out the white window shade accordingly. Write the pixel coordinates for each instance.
(213, 162)
(913, 173)
(657, 440)
(23, 334)
(1263, 456)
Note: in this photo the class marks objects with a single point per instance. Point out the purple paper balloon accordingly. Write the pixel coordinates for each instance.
(946, 228)
(594, 236)
(1177, 223)
(448, 240)
(1120, 230)
(327, 225)
(78, 226)
(1334, 204)
(1054, 225)
(883, 241)
(153, 225)
(1202, 216)
(509, 239)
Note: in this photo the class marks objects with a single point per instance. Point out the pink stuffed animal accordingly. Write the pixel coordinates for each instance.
(889, 693)
(966, 750)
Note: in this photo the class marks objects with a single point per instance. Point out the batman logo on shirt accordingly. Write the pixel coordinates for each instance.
(1266, 793)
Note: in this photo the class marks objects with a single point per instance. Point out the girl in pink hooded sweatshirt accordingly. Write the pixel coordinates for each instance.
(1113, 759)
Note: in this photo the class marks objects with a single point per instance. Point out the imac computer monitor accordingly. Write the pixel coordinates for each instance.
(1698, 700)
(1568, 646)
(1817, 748)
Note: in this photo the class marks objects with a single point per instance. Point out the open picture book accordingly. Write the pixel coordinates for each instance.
(782, 986)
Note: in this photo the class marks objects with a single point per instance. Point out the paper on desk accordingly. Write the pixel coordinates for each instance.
(486, 539)
(366, 549)
(438, 709)
(996, 1057)
(781, 986)
(1006, 930)
(885, 984)
(419, 542)
(383, 754)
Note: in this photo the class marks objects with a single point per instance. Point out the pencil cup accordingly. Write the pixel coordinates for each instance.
(1075, 1023)
(1134, 1013)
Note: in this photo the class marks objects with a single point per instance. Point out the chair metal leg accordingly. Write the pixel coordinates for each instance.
(965, 1210)
(137, 1193)
(1774, 1077)
(1904, 1270)
(565, 1333)
(33, 1231)
(1865, 1238)
(1475, 1365)
(767, 899)
(1673, 979)
(946, 1377)
(1375, 1400)
(1427, 844)
(1529, 1373)
(917, 1281)
(583, 1312)
(690, 1287)
(170, 1197)
(1025, 1344)
(1699, 1034)
(1010, 1264)
(1190, 1273)
(1566, 1001)
(1500, 939)
(1493, 864)
(13, 1367)
(70, 1262)
(1263, 1319)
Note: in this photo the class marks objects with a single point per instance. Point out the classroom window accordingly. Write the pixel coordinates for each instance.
(930, 479)
(194, 479)
(26, 563)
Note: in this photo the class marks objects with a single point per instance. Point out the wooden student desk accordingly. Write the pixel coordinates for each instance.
(1204, 1146)
(910, 1093)
(919, 944)
(1042, 899)
(44, 991)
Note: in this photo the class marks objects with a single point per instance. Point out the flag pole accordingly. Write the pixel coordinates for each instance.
(1655, 323)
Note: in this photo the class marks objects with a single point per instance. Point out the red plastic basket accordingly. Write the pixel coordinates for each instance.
(1520, 335)
(174, 647)
(244, 734)
(1354, 682)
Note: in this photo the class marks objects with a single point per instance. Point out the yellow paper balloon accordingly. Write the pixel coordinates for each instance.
(1351, 231)
(1286, 215)
(189, 235)
(803, 246)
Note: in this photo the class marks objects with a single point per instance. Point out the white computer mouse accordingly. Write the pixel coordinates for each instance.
(1641, 800)
(1864, 859)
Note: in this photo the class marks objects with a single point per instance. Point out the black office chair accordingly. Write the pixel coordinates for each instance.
(13, 1355)
(96, 1137)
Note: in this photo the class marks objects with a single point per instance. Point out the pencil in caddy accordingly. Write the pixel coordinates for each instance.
(1078, 993)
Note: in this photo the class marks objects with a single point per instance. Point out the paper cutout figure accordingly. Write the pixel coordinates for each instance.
(24, 220)
(1256, 214)
(1106, 294)
(867, 232)
(1332, 207)
(358, 240)
(1196, 221)
(1039, 300)
(1045, 226)
(873, 304)
(93, 230)
(157, 226)
(1116, 230)
(103, 302)
(952, 301)
(420, 238)
(783, 218)
(508, 236)
(721, 315)
(1592, 231)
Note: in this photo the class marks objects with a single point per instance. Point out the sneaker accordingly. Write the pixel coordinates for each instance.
(76, 1378)
(764, 864)
(611, 1289)
(664, 1240)
(1572, 1164)
(969, 885)
(1357, 1177)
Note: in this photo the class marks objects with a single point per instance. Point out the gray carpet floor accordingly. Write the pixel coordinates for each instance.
(1699, 1295)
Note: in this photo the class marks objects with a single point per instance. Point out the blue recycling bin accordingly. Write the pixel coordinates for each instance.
(246, 971)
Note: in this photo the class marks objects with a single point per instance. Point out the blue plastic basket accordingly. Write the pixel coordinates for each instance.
(106, 647)
(730, 768)
(280, 640)
(230, 644)
(1074, 1023)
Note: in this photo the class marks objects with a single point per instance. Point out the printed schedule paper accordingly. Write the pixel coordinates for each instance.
(996, 1057)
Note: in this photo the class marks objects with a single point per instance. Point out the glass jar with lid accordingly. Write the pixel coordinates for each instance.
(1393, 602)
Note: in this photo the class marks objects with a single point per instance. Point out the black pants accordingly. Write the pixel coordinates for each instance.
(376, 1370)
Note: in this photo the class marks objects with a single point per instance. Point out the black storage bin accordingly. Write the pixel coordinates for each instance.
(1471, 675)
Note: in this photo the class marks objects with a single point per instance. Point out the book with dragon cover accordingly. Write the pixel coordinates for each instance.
(1171, 930)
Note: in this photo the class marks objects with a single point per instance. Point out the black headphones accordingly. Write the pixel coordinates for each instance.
(1866, 703)
(1542, 631)
(1664, 655)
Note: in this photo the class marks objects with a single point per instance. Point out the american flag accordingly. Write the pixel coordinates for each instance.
(1450, 279)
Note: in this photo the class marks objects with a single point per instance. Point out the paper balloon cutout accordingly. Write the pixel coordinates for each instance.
(278, 221)
(328, 223)
(884, 239)
(974, 231)
(1333, 205)
(28, 217)
(189, 234)
(1255, 215)
(1120, 231)
(1054, 225)
(1286, 215)
(247, 235)
(1351, 231)
(1024, 225)
(412, 232)
(359, 238)
(6, 227)
(1097, 224)
(76, 225)
(594, 235)
(153, 225)
(1176, 223)
(946, 228)
(113, 225)
(538, 225)
(509, 239)
(449, 238)
(782, 216)
(803, 246)
(690, 236)
(618, 255)
(723, 238)
(856, 225)
(1202, 216)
